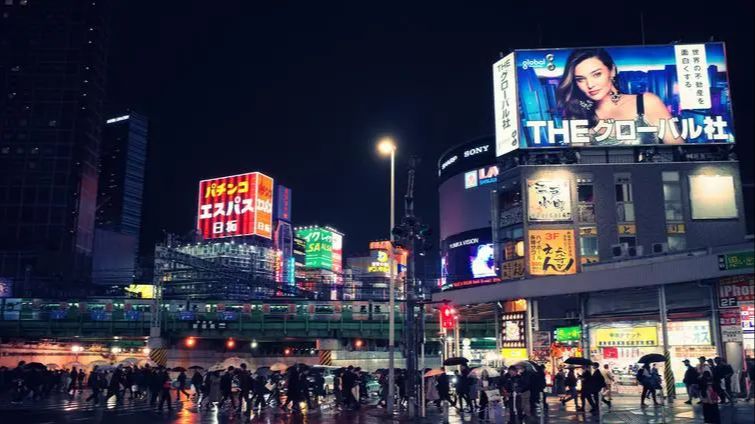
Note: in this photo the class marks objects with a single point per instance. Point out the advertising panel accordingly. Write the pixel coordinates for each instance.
(6, 288)
(379, 262)
(505, 109)
(512, 330)
(628, 95)
(568, 334)
(627, 336)
(737, 260)
(337, 251)
(264, 210)
(469, 259)
(733, 291)
(548, 200)
(689, 333)
(237, 205)
(552, 252)
(300, 251)
(319, 247)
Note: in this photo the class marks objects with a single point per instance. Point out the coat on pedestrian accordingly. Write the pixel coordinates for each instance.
(431, 393)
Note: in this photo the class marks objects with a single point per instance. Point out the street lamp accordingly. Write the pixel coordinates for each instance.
(386, 147)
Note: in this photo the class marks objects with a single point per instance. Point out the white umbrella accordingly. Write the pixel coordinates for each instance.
(278, 366)
(434, 372)
(217, 367)
(98, 363)
(234, 361)
(477, 372)
(52, 366)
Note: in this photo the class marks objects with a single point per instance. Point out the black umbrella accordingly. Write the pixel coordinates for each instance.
(196, 367)
(583, 362)
(179, 369)
(652, 357)
(38, 365)
(456, 361)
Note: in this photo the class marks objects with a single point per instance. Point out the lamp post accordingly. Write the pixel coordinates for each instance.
(388, 147)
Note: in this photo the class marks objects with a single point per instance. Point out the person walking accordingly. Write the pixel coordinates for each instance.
(444, 389)
(511, 392)
(80, 380)
(226, 388)
(708, 395)
(462, 390)
(722, 373)
(570, 382)
(644, 376)
(72, 385)
(96, 382)
(166, 384)
(750, 364)
(431, 391)
(586, 394)
(259, 390)
(181, 387)
(609, 379)
(196, 383)
(318, 386)
(211, 391)
(597, 384)
(690, 381)
(245, 389)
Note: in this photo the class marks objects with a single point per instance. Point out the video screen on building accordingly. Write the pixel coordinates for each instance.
(468, 259)
(613, 96)
(463, 206)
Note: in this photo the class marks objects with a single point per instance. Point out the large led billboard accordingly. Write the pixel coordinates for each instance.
(324, 248)
(606, 96)
(237, 205)
(468, 259)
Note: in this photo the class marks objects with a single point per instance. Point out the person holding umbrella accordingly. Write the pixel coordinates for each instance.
(597, 383)
(444, 389)
(645, 377)
(181, 384)
(196, 381)
(570, 382)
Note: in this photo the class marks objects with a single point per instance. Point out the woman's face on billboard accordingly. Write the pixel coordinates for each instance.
(593, 78)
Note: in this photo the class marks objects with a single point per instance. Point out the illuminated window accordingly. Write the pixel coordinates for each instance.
(624, 198)
(585, 199)
(588, 246)
(712, 196)
(672, 196)
(676, 242)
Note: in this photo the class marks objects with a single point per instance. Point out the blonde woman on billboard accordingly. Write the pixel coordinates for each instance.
(589, 90)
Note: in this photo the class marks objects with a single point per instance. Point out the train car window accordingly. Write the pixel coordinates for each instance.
(377, 309)
(278, 309)
(323, 309)
(363, 309)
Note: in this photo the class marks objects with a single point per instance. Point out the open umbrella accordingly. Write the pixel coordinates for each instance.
(37, 365)
(196, 367)
(278, 366)
(103, 368)
(179, 369)
(263, 371)
(477, 372)
(583, 362)
(52, 366)
(434, 372)
(217, 367)
(527, 366)
(143, 362)
(652, 357)
(456, 361)
(73, 364)
(233, 361)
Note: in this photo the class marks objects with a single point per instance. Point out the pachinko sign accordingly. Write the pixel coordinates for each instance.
(238, 205)
(606, 96)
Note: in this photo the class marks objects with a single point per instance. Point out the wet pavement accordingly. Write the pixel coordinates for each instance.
(58, 408)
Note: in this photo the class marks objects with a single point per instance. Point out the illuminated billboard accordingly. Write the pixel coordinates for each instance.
(237, 205)
(468, 259)
(629, 95)
(552, 252)
(548, 200)
(283, 203)
(324, 248)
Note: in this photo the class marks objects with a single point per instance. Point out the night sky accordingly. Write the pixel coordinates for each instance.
(302, 92)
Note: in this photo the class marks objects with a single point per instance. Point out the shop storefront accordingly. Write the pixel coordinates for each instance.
(736, 300)
(622, 344)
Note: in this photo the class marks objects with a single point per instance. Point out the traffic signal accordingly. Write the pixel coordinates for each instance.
(448, 317)
(190, 342)
(230, 343)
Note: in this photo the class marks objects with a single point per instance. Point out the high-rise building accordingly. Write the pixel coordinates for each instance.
(123, 154)
(52, 87)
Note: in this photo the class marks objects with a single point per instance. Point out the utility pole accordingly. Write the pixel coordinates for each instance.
(412, 236)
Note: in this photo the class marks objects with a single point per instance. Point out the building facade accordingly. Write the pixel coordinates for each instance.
(52, 81)
(119, 199)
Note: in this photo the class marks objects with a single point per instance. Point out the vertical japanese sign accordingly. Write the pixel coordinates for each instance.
(227, 205)
(548, 200)
(692, 72)
(552, 252)
(337, 251)
(283, 203)
(506, 110)
(264, 210)
(512, 330)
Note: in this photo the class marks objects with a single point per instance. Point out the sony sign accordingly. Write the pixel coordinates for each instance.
(476, 151)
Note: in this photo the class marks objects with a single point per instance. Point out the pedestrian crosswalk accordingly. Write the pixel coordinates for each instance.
(78, 403)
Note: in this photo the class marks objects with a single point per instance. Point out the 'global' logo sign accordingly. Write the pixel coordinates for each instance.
(545, 62)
